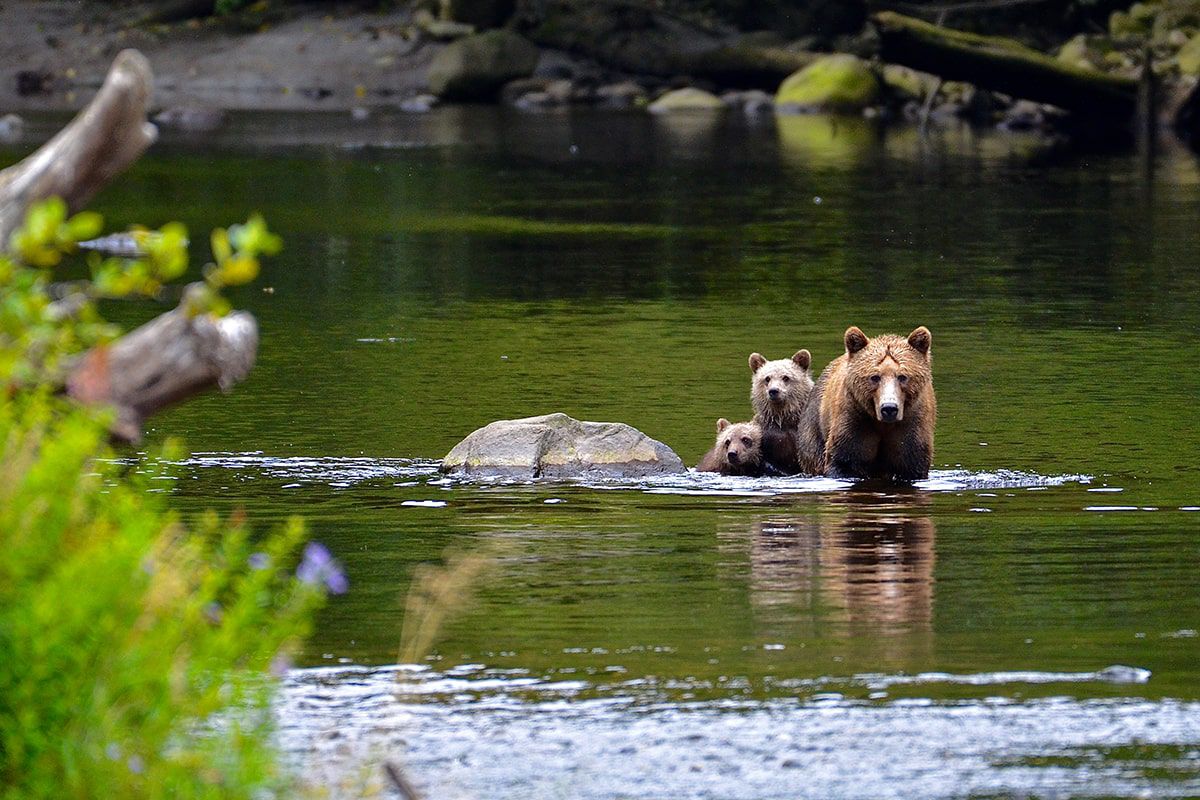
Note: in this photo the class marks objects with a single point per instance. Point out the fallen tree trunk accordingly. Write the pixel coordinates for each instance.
(172, 357)
(1003, 65)
(743, 66)
(104, 139)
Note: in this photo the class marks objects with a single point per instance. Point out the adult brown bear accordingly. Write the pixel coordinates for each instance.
(873, 411)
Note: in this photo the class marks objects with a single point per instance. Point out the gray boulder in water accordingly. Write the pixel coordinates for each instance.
(558, 446)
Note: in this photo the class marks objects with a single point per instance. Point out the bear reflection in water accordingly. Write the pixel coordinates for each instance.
(863, 565)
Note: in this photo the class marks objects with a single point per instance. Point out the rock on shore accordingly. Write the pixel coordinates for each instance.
(475, 67)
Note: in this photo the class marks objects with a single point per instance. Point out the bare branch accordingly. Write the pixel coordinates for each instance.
(172, 357)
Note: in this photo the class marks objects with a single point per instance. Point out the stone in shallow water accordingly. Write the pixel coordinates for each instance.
(838, 83)
(558, 446)
(688, 99)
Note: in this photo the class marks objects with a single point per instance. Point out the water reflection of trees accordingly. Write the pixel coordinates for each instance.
(859, 565)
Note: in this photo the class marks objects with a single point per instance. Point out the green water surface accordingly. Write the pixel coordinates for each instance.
(441, 272)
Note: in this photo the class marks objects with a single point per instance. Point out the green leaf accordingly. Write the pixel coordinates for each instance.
(85, 225)
(221, 249)
(238, 270)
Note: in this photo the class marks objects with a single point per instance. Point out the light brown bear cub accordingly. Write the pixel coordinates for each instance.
(738, 450)
(779, 391)
(873, 410)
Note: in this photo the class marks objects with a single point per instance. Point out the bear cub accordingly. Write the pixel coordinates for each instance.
(738, 450)
(779, 392)
(873, 411)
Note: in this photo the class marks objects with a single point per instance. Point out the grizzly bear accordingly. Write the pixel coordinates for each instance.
(779, 392)
(738, 450)
(873, 411)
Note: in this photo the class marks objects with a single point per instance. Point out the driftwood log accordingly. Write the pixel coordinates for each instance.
(175, 355)
(170, 358)
(101, 142)
(1003, 65)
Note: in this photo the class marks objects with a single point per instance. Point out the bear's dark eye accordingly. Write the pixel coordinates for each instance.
(747, 441)
(904, 379)
(728, 442)
(786, 379)
(874, 379)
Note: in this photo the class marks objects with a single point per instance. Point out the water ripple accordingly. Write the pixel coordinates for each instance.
(330, 470)
(341, 472)
(497, 743)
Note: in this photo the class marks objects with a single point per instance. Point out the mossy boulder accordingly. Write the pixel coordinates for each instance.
(475, 67)
(1081, 51)
(686, 100)
(558, 446)
(908, 84)
(838, 83)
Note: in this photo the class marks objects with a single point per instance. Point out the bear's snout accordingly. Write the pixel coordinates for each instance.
(733, 457)
(889, 412)
(774, 394)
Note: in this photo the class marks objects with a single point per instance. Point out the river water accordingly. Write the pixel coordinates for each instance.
(1024, 624)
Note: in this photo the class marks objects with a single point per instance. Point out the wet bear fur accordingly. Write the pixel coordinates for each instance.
(780, 391)
(873, 411)
(737, 451)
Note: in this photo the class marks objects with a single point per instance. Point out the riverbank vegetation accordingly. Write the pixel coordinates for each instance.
(137, 647)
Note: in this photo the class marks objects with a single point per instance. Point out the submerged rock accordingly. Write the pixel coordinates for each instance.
(475, 67)
(420, 104)
(1024, 115)
(536, 93)
(625, 94)
(688, 99)
(841, 83)
(908, 84)
(558, 446)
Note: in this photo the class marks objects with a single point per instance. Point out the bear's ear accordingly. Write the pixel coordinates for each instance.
(855, 340)
(802, 359)
(722, 424)
(920, 340)
(756, 361)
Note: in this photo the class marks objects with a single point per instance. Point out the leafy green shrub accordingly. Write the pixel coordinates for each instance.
(135, 653)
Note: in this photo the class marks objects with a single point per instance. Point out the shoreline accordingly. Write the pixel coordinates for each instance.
(305, 62)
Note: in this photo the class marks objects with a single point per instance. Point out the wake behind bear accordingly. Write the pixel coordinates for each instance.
(872, 414)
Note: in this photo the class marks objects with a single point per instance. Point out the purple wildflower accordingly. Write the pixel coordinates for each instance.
(259, 560)
(280, 665)
(318, 566)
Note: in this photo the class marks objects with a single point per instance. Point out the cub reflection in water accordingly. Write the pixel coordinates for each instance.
(861, 564)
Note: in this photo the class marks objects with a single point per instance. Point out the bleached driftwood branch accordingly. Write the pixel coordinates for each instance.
(104, 139)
